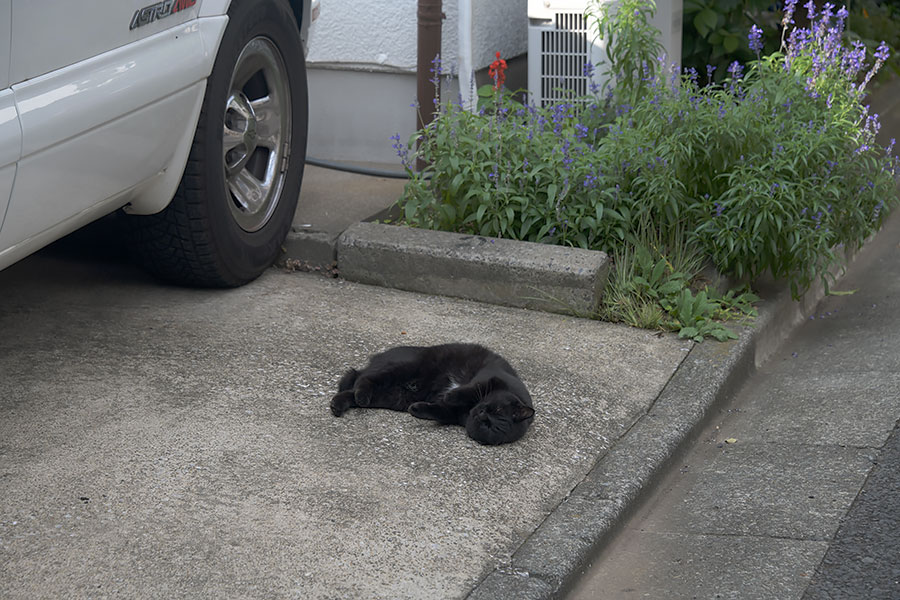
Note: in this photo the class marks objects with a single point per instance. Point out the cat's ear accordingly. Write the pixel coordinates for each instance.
(521, 411)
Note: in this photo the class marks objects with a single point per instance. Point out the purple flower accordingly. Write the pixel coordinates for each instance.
(588, 70)
(692, 74)
(402, 152)
(436, 73)
(736, 71)
(789, 7)
(755, 38)
(852, 61)
(711, 69)
(811, 9)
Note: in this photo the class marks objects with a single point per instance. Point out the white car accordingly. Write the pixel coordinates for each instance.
(190, 115)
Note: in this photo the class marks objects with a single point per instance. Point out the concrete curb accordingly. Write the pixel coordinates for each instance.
(318, 249)
(557, 552)
(498, 271)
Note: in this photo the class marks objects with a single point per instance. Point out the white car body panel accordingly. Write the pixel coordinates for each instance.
(10, 132)
(69, 166)
(49, 34)
(94, 169)
(211, 8)
(10, 145)
(115, 83)
(95, 114)
(5, 34)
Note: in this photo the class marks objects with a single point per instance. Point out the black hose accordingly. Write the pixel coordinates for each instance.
(327, 164)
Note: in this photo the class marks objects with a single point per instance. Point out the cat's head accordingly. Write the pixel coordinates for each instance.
(501, 417)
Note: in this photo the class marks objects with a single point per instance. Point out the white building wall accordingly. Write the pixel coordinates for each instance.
(380, 35)
(362, 65)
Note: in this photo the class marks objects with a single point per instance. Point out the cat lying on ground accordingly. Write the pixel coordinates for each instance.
(461, 384)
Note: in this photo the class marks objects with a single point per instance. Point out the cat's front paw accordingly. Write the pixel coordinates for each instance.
(421, 410)
(341, 402)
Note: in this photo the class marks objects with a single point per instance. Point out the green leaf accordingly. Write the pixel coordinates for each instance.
(449, 212)
(730, 43)
(722, 334)
(409, 211)
(486, 91)
(457, 181)
(658, 270)
(692, 6)
(688, 332)
(640, 281)
(551, 193)
(706, 21)
(670, 287)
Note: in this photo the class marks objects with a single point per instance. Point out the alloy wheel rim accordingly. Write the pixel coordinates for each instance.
(256, 134)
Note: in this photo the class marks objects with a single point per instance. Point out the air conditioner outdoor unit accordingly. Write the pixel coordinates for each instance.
(561, 41)
(560, 44)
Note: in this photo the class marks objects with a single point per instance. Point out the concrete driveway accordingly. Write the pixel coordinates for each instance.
(166, 442)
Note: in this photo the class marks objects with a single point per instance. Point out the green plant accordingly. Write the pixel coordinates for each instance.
(651, 284)
(633, 49)
(768, 171)
(714, 33)
(714, 30)
(874, 23)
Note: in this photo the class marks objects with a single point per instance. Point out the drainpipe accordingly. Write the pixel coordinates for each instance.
(429, 45)
(466, 71)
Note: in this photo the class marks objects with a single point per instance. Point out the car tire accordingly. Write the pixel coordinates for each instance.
(236, 200)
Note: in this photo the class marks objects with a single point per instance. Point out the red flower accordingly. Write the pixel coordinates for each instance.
(497, 71)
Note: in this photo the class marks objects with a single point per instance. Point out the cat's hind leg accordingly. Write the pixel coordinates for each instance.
(341, 402)
(363, 391)
(347, 381)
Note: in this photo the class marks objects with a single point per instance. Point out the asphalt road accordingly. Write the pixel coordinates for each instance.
(863, 560)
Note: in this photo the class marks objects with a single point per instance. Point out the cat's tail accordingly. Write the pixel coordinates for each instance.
(348, 380)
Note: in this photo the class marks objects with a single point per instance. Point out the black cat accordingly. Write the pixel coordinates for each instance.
(461, 384)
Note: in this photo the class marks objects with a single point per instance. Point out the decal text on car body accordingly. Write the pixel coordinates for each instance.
(160, 10)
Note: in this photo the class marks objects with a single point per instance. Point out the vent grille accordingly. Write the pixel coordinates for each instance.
(564, 52)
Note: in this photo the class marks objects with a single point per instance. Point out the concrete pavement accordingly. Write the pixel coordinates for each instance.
(166, 442)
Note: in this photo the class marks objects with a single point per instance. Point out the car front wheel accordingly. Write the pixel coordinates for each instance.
(237, 197)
